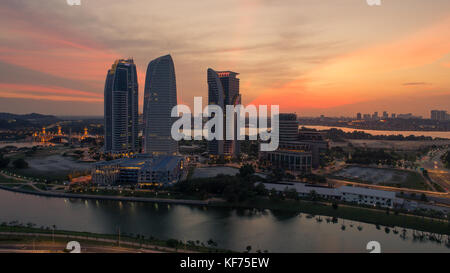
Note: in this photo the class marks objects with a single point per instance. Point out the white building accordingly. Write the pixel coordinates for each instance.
(344, 193)
(368, 196)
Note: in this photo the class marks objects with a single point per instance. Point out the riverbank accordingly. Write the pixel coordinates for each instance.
(433, 134)
(10, 235)
(367, 215)
(105, 197)
(355, 213)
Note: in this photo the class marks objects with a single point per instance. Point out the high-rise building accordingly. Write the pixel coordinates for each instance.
(375, 116)
(159, 98)
(439, 115)
(358, 116)
(121, 108)
(393, 115)
(223, 90)
(292, 154)
(288, 127)
(385, 115)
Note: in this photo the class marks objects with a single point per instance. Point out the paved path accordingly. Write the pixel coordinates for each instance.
(38, 191)
(121, 243)
(387, 188)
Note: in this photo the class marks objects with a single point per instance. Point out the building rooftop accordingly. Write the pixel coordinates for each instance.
(226, 74)
(157, 163)
(365, 191)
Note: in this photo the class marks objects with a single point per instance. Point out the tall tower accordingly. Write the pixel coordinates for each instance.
(159, 98)
(121, 108)
(223, 90)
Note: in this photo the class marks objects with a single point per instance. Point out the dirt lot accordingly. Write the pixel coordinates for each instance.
(384, 177)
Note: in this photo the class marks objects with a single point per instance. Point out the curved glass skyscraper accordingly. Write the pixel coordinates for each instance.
(223, 90)
(159, 98)
(121, 108)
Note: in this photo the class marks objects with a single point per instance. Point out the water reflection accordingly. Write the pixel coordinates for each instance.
(276, 231)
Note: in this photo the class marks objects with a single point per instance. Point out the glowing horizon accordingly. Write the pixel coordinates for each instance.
(309, 57)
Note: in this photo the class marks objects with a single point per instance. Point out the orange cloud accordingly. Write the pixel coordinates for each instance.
(69, 55)
(44, 93)
(47, 97)
(370, 73)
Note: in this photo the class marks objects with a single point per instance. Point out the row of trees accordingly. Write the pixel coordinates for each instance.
(339, 135)
(238, 188)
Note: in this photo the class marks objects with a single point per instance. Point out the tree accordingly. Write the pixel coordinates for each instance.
(172, 243)
(335, 205)
(246, 170)
(20, 163)
(211, 243)
(249, 248)
(4, 161)
(313, 195)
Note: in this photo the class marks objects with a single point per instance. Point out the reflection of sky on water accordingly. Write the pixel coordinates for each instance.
(232, 229)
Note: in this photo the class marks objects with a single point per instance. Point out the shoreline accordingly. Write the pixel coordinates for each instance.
(109, 198)
(347, 212)
(436, 135)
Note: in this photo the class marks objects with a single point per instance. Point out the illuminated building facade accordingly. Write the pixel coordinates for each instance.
(121, 108)
(142, 170)
(298, 152)
(223, 90)
(159, 98)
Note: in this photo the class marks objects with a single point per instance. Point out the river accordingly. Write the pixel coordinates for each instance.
(230, 228)
(379, 132)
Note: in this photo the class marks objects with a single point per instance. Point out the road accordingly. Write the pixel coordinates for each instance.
(38, 191)
(88, 244)
(387, 188)
(436, 169)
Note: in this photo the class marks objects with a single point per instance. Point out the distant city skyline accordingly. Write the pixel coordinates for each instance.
(310, 57)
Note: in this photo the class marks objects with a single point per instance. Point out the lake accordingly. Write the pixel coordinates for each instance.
(230, 228)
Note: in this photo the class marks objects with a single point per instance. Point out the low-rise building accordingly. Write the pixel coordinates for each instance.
(359, 195)
(290, 156)
(366, 196)
(140, 170)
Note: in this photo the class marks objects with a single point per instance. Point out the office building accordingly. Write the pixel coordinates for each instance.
(142, 170)
(439, 115)
(159, 98)
(288, 127)
(223, 90)
(375, 116)
(358, 195)
(121, 108)
(298, 152)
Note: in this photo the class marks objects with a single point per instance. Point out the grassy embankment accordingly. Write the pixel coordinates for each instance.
(355, 213)
(170, 245)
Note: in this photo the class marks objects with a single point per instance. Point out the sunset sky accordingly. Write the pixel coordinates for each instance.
(312, 57)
